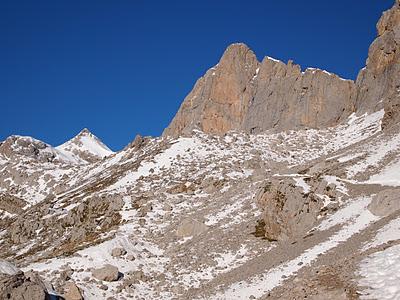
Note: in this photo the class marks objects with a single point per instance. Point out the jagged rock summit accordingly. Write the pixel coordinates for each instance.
(241, 93)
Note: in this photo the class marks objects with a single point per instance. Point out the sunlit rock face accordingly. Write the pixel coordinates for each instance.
(241, 93)
(378, 83)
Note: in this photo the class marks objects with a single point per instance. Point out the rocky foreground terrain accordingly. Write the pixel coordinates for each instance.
(270, 183)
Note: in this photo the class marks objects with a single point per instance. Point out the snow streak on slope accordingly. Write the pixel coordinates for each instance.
(375, 154)
(389, 176)
(261, 284)
(7, 268)
(352, 210)
(390, 232)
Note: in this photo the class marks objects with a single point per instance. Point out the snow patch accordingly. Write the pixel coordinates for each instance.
(390, 232)
(381, 276)
(262, 284)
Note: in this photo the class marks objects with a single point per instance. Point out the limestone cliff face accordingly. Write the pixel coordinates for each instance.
(286, 98)
(379, 82)
(219, 99)
(241, 93)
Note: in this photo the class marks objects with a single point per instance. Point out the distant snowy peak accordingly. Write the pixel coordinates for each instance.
(85, 147)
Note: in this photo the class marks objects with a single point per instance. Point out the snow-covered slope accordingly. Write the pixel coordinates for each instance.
(184, 211)
(33, 170)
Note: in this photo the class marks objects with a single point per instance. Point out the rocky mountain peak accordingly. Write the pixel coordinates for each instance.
(84, 132)
(240, 93)
(238, 57)
(219, 99)
(86, 147)
(389, 20)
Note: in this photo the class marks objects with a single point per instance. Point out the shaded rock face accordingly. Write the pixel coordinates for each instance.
(287, 212)
(240, 93)
(379, 82)
(18, 286)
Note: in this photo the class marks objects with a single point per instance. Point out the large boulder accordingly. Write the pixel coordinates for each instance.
(107, 273)
(72, 292)
(385, 203)
(288, 211)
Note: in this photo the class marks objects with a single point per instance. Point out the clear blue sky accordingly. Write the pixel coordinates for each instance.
(123, 67)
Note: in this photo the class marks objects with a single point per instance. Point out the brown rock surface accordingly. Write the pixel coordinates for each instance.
(378, 84)
(219, 99)
(18, 286)
(106, 273)
(287, 98)
(243, 94)
(72, 292)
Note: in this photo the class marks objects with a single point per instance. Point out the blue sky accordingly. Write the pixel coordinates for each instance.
(121, 68)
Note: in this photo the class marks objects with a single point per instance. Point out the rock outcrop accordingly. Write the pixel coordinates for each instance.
(16, 145)
(72, 292)
(219, 100)
(16, 285)
(378, 83)
(287, 211)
